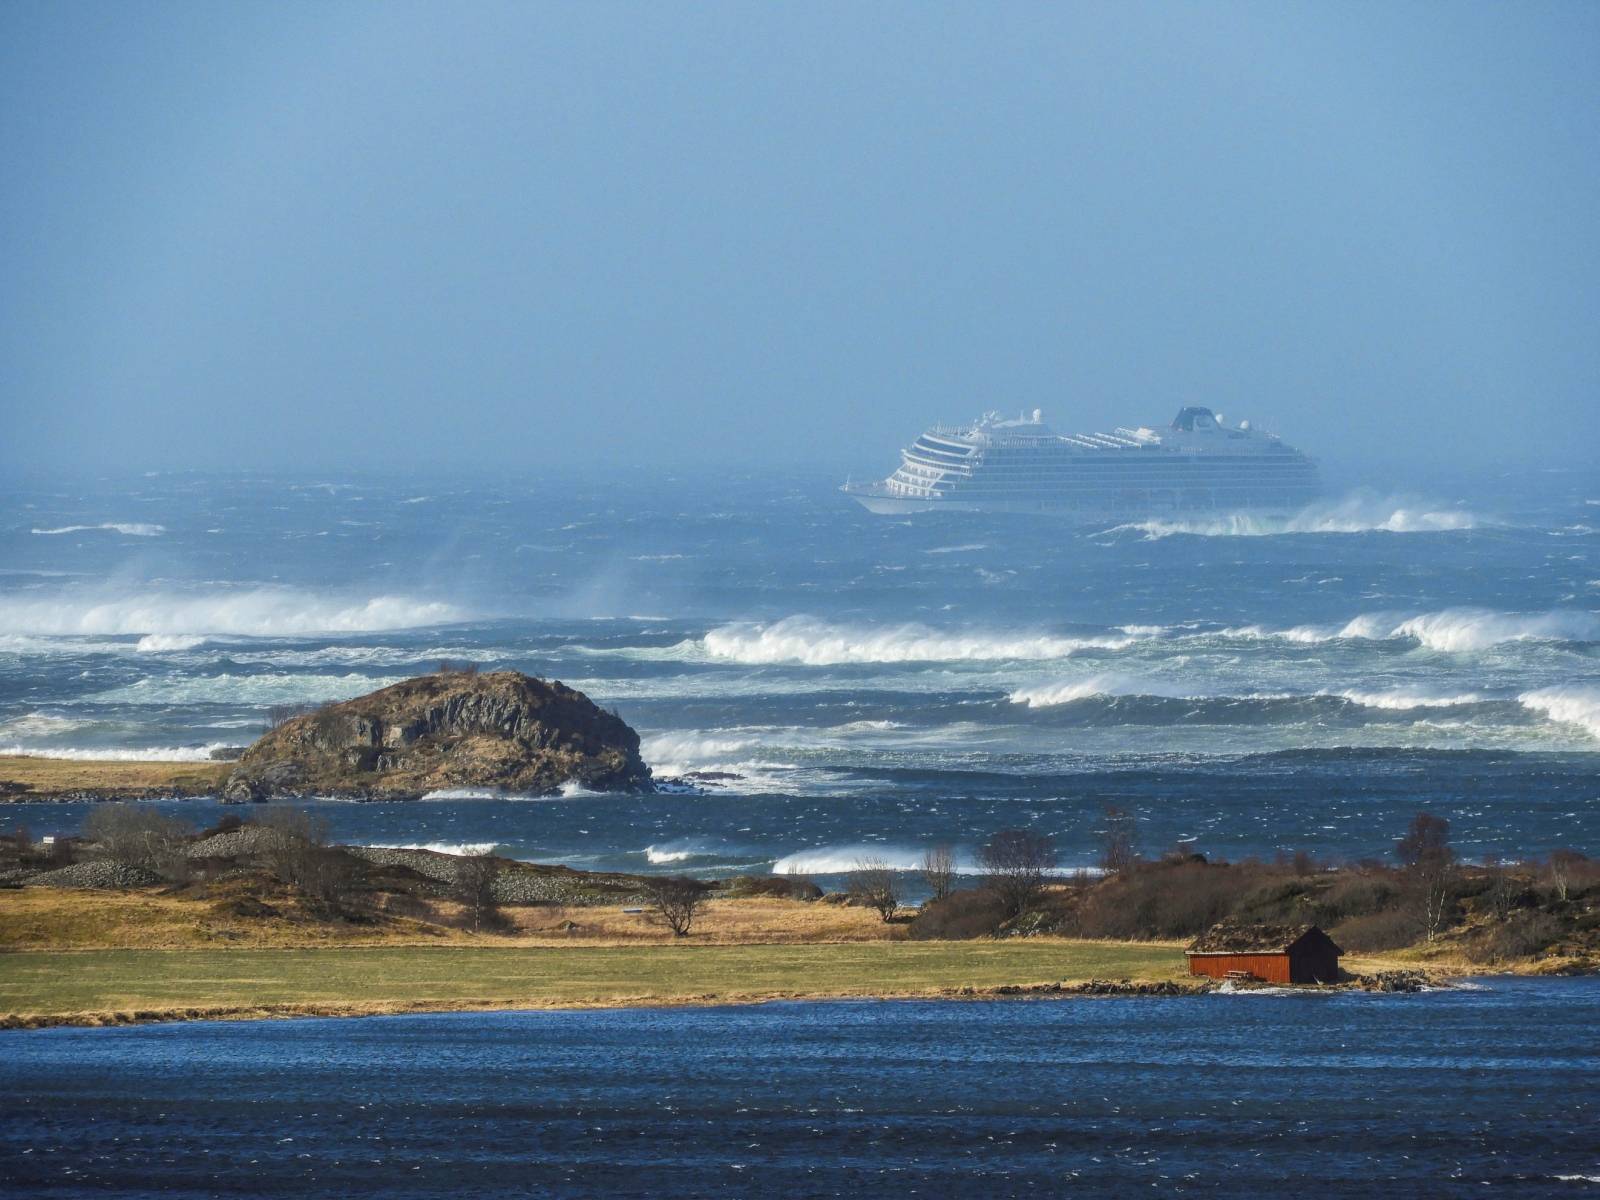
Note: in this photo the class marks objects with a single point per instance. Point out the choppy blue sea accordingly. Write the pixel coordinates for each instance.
(1245, 687)
(1487, 1091)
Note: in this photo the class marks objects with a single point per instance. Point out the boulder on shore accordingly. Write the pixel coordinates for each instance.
(502, 730)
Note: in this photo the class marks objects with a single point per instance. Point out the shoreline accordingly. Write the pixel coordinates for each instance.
(1086, 989)
(48, 988)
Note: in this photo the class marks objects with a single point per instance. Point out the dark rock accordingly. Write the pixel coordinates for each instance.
(502, 730)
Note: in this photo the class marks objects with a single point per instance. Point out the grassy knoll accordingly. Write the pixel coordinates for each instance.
(158, 983)
(56, 776)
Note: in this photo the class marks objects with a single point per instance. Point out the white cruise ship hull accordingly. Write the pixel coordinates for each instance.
(1199, 467)
(898, 506)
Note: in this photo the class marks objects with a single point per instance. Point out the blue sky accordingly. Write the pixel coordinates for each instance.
(610, 235)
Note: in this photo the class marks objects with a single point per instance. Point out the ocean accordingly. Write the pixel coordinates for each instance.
(1487, 1090)
(861, 685)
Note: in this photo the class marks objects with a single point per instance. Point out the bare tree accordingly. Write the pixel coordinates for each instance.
(1430, 865)
(138, 837)
(939, 870)
(1117, 845)
(875, 884)
(1562, 866)
(678, 899)
(474, 888)
(1501, 894)
(1016, 862)
(294, 847)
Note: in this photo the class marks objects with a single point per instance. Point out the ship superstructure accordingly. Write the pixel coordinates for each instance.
(1198, 464)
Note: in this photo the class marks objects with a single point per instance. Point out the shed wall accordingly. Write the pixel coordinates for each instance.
(1274, 968)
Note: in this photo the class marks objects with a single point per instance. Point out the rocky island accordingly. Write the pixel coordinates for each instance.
(454, 729)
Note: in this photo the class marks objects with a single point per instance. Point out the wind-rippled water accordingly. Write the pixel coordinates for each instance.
(1490, 1090)
(1245, 687)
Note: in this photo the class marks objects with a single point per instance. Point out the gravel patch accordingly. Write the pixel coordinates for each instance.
(100, 874)
(517, 883)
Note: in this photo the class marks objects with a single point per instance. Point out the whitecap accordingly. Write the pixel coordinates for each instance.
(468, 849)
(810, 642)
(248, 612)
(1571, 705)
(126, 528)
(1356, 513)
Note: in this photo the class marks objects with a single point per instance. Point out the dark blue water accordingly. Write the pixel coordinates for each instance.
(1244, 687)
(1492, 1090)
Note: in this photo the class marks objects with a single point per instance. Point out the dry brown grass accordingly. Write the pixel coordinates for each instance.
(155, 919)
(46, 776)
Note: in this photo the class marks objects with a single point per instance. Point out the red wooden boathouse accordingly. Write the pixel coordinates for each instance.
(1271, 953)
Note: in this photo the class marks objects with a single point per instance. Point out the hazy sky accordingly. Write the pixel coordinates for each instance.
(386, 233)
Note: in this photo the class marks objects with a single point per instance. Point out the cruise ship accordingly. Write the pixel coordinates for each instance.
(1198, 465)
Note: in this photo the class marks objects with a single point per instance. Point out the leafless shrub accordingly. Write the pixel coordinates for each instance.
(1568, 872)
(474, 890)
(294, 847)
(875, 885)
(1118, 848)
(446, 667)
(1501, 890)
(939, 870)
(1430, 869)
(1015, 862)
(779, 887)
(678, 899)
(1390, 929)
(138, 837)
(1523, 935)
(969, 913)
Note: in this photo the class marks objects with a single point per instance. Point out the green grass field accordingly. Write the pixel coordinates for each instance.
(158, 981)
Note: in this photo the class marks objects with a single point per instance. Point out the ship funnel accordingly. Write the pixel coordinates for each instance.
(1038, 415)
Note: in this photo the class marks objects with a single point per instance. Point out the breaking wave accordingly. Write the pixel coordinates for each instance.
(1403, 699)
(165, 643)
(258, 612)
(1452, 630)
(240, 690)
(1049, 695)
(127, 528)
(1354, 514)
(841, 859)
(1570, 705)
(815, 643)
(471, 849)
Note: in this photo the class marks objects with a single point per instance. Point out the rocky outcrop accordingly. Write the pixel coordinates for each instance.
(456, 729)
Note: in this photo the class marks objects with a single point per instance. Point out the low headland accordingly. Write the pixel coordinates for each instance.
(143, 917)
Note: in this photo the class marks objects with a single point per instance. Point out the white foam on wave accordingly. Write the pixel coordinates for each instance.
(256, 690)
(810, 642)
(165, 643)
(252, 612)
(1069, 691)
(1451, 630)
(843, 858)
(1358, 513)
(126, 528)
(1571, 705)
(665, 750)
(37, 724)
(141, 754)
(1402, 698)
(469, 849)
